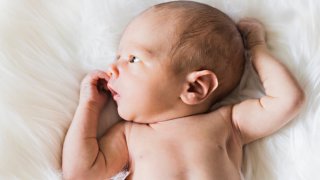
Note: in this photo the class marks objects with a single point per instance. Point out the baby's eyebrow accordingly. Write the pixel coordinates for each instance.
(137, 49)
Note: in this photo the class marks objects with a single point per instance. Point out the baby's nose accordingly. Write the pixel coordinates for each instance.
(113, 71)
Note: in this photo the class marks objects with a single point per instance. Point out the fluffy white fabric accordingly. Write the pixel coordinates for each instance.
(46, 47)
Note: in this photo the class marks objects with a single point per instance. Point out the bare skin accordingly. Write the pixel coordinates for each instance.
(187, 143)
(196, 147)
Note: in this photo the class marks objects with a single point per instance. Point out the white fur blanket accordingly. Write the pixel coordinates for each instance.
(46, 47)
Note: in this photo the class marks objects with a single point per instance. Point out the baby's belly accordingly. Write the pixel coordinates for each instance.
(196, 163)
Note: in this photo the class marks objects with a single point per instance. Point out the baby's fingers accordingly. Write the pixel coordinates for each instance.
(252, 31)
(97, 74)
(102, 85)
(94, 76)
(248, 23)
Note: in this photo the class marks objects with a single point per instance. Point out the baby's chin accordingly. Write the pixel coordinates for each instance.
(132, 118)
(125, 115)
(129, 115)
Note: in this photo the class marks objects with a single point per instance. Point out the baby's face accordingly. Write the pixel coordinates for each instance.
(144, 85)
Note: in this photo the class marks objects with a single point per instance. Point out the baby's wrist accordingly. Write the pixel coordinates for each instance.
(90, 106)
(259, 52)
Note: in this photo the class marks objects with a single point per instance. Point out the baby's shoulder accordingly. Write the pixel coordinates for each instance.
(220, 117)
(223, 112)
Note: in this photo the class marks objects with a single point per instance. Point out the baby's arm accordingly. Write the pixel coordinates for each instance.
(85, 156)
(256, 118)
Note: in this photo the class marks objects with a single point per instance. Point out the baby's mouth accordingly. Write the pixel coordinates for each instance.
(115, 95)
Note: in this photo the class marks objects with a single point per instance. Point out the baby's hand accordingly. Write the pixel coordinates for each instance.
(94, 89)
(253, 33)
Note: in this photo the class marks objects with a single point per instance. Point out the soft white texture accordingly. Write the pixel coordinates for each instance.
(46, 47)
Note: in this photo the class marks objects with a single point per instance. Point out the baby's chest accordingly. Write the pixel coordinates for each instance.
(176, 157)
(176, 147)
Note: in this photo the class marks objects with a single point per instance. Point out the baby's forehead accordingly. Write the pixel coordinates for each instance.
(166, 21)
(165, 18)
(168, 16)
(171, 25)
(171, 22)
(150, 29)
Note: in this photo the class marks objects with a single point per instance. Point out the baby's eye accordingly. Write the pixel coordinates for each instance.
(133, 59)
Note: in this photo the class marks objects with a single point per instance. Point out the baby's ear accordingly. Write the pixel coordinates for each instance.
(198, 86)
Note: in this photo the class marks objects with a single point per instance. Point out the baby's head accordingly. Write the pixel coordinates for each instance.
(188, 55)
(205, 39)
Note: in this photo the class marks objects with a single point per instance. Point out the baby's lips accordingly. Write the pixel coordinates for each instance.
(113, 92)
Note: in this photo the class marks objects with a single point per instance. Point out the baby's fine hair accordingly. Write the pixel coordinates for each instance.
(207, 40)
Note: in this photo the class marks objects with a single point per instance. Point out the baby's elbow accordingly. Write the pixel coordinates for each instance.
(300, 98)
(68, 176)
(296, 102)
(72, 174)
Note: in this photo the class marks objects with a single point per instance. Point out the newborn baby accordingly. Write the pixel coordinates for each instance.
(176, 60)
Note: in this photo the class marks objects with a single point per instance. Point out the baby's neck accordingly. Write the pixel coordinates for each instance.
(172, 114)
